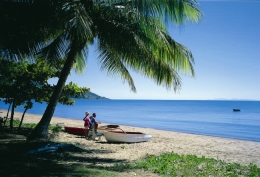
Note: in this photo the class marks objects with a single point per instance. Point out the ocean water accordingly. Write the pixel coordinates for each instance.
(214, 118)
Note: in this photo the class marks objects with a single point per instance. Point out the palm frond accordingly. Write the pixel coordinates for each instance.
(81, 61)
(78, 22)
(112, 63)
(169, 11)
(27, 26)
(142, 42)
(55, 50)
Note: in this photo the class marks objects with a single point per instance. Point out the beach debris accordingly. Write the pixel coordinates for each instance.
(132, 173)
(50, 148)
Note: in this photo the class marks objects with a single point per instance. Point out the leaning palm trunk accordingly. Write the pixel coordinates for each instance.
(21, 122)
(12, 115)
(7, 113)
(41, 130)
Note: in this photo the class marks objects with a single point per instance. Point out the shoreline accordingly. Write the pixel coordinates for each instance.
(226, 149)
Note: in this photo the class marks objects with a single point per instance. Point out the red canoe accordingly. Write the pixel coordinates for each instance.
(75, 130)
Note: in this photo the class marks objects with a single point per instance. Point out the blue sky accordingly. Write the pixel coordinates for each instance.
(226, 48)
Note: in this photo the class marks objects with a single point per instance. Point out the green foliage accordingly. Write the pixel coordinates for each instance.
(57, 128)
(172, 164)
(26, 26)
(22, 82)
(71, 91)
(27, 128)
(25, 125)
(54, 128)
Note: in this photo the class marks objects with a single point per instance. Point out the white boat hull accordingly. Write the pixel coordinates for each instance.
(126, 137)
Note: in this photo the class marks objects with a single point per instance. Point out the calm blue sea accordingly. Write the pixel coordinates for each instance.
(215, 118)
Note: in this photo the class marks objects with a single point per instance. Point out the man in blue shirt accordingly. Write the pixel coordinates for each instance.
(93, 121)
(94, 124)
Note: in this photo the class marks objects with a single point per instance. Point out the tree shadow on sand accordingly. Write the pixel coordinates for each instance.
(46, 158)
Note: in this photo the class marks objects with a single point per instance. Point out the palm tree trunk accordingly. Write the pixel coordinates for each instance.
(12, 115)
(40, 132)
(7, 114)
(21, 122)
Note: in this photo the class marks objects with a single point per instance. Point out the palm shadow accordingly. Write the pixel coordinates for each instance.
(46, 158)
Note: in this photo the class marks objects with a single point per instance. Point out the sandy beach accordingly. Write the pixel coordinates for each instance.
(229, 150)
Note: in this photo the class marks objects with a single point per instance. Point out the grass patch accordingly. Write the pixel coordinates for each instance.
(172, 164)
(26, 128)
(16, 123)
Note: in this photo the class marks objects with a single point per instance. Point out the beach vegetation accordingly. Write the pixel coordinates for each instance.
(26, 128)
(172, 164)
(17, 123)
(129, 36)
(22, 83)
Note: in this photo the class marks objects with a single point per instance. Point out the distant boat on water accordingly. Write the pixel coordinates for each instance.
(236, 110)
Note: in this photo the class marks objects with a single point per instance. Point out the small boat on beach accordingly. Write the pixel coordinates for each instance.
(236, 110)
(82, 131)
(75, 130)
(120, 136)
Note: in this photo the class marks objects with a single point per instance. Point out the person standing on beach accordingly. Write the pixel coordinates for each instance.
(94, 126)
(86, 123)
(93, 121)
(86, 120)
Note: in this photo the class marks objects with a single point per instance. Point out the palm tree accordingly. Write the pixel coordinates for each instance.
(26, 27)
(128, 35)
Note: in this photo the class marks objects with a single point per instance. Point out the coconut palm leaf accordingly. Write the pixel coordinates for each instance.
(111, 62)
(140, 49)
(26, 26)
(55, 50)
